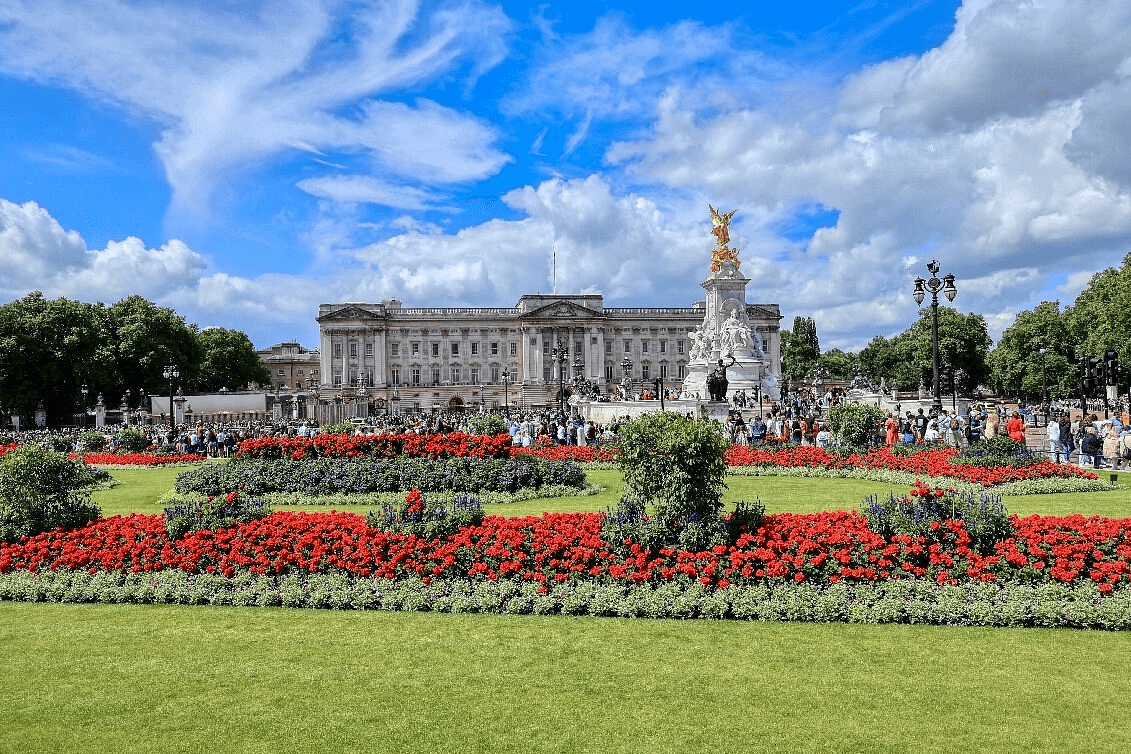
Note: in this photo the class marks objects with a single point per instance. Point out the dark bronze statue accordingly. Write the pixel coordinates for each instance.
(717, 380)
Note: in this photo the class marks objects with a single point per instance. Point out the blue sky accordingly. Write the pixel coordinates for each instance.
(244, 162)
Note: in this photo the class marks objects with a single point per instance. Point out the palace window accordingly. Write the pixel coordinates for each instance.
(663, 346)
(608, 346)
(455, 349)
(514, 349)
(494, 349)
(474, 376)
(609, 372)
(416, 375)
(455, 375)
(494, 374)
(396, 376)
(338, 350)
(353, 350)
(282, 373)
(679, 346)
(435, 349)
(644, 346)
(474, 349)
(435, 376)
(300, 371)
(545, 374)
(664, 371)
(368, 349)
(682, 371)
(337, 380)
(628, 346)
(395, 349)
(645, 372)
(415, 349)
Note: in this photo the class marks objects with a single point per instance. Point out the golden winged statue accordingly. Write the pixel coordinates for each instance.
(721, 221)
(721, 231)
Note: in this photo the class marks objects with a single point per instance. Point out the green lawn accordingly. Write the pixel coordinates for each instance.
(171, 678)
(140, 490)
(129, 678)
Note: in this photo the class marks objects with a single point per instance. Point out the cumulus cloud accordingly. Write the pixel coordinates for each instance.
(994, 152)
(234, 85)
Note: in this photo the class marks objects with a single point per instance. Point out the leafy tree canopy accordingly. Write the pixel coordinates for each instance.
(228, 360)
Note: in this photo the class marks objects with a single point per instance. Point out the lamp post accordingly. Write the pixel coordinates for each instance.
(934, 285)
(626, 381)
(506, 394)
(560, 355)
(84, 390)
(659, 383)
(125, 407)
(1044, 380)
(171, 373)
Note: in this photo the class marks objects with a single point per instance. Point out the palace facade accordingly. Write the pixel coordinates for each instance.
(388, 357)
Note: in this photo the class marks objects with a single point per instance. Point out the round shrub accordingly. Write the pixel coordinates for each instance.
(92, 442)
(852, 423)
(42, 490)
(132, 441)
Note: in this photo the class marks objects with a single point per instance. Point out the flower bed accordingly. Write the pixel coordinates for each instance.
(934, 462)
(139, 459)
(575, 453)
(822, 548)
(451, 445)
(360, 475)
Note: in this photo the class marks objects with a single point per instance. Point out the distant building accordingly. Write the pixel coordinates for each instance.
(436, 358)
(292, 366)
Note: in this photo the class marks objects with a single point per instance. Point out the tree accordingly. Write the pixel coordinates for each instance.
(1016, 366)
(800, 349)
(964, 342)
(838, 364)
(144, 337)
(228, 360)
(48, 350)
(1100, 318)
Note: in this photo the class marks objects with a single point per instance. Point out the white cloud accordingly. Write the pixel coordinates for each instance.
(36, 253)
(232, 89)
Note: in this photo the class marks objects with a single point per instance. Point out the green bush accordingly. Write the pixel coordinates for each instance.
(92, 442)
(997, 451)
(853, 422)
(59, 444)
(42, 490)
(487, 424)
(341, 428)
(674, 465)
(924, 512)
(418, 517)
(132, 441)
(197, 513)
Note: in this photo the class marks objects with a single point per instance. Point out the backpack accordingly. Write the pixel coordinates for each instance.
(1125, 446)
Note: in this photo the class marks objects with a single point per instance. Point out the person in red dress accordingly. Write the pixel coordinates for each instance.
(1016, 427)
(891, 428)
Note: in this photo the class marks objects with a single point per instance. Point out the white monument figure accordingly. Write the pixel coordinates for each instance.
(726, 332)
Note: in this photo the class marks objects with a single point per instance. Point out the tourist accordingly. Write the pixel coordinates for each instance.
(920, 426)
(891, 430)
(1091, 449)
(1111, 446)
(757, 431)
(1052, 434)
(1016, 428)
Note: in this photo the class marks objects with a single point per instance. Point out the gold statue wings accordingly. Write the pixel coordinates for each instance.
(721, 222)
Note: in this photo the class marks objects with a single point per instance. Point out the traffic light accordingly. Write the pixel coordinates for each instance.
(1085, 379)
(1111, 367)
(1095, 370)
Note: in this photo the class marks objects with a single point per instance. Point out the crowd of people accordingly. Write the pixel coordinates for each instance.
(1089, 441)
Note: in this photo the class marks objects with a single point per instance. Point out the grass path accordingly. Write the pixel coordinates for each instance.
(169, 678)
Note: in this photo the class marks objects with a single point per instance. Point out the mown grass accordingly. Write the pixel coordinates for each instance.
(140, 489)
(130, 678)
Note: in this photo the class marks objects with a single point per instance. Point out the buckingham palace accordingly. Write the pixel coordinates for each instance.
(388, 357)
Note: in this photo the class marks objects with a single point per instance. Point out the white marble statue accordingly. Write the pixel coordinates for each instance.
(735, 335)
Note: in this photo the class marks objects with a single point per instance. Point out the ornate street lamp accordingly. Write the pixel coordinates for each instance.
(171, 373)
(1044, 380)
(506, 394)
(125, 407)
(934, 285)
(84, 390)
(626, 381)
(560, 354)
